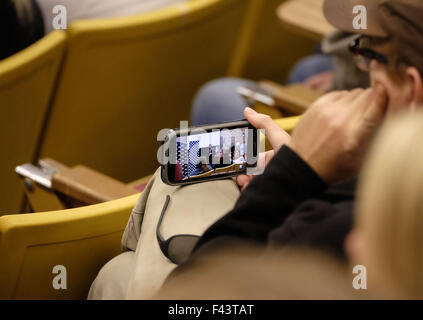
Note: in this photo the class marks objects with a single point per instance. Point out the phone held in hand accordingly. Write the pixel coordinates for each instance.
(206, 153)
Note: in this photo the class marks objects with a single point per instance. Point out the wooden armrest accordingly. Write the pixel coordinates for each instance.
(89, 186)
(294, 99)
(53, 186)
(305, 17)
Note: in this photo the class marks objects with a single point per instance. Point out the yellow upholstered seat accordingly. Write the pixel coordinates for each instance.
(125, 79)
(27, 81)
(82, 240)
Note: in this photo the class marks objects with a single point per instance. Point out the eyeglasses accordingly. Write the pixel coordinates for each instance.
(363, 55)
(177, 248)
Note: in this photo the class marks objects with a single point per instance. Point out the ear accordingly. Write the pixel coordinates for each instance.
(416, 89)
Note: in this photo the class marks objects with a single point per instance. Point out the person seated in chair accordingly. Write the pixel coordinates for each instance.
(21, 24)
(306, 195)
(330, 68)
(90, 9)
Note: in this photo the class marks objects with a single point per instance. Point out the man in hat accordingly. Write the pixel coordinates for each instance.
(306, 195)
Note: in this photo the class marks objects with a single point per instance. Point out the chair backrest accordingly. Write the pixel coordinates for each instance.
(27, 81)
(125, 79)
(82, 240)
(266, 49)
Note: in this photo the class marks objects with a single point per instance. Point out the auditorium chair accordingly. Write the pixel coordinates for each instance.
(267, 49)
(27, 81)
(82, 240)
(124, 79)
(51, 185)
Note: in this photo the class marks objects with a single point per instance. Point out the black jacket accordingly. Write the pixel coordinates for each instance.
(288, 205)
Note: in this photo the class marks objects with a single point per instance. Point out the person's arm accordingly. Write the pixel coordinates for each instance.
(318, 224)
(329, 144)
(269, 199)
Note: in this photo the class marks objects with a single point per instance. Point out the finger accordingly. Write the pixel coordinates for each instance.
(353, 95)
(362, 102)
(243, 181)
(330, 98)
(276, 135)
(376, 110)
(372, 112)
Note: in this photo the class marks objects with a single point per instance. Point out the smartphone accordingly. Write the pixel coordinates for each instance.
(206, 153)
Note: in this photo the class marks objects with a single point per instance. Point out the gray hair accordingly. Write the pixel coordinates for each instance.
(24, 10)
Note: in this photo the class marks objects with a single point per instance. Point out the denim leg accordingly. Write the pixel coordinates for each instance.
(310, 66)
(218, 101)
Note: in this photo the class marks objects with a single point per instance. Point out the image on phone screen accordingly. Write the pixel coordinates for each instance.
(210, 155)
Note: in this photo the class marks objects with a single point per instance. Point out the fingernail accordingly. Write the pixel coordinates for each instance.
(250, 111)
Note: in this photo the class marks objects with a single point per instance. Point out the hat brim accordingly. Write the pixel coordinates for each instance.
(339, 13)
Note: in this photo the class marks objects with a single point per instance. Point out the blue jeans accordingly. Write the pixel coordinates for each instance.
(218, 101)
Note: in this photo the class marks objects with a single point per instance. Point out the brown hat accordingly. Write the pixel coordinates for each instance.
(399, 20)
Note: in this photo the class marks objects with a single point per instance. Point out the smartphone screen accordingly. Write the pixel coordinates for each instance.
(210, 153)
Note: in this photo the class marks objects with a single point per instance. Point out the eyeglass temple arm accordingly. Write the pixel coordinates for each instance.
(159, 236)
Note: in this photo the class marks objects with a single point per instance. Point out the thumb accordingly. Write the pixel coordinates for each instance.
(374, 114)
(276, 135)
